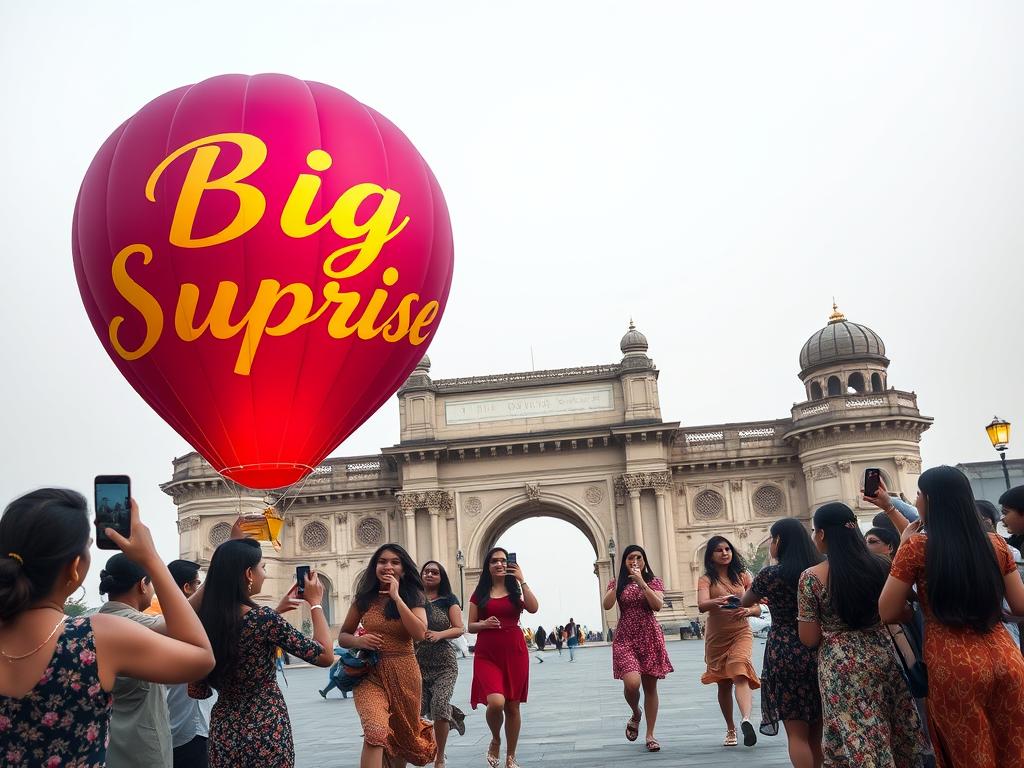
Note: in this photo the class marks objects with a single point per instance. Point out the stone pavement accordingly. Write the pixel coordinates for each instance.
(575, 718)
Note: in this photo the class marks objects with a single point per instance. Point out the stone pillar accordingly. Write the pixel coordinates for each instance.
(663, 539)
(435, 534)
(635, 520)
(410, 534)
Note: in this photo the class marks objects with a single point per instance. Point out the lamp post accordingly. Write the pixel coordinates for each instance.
(460, 560)
(611, 554)
(999, 435)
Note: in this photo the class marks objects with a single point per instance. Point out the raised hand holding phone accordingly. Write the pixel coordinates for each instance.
(113, 508)
(139, 545)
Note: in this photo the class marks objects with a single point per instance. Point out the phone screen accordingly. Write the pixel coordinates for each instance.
(301, 572)
(113, 508)
(871, 480)
(511, 558)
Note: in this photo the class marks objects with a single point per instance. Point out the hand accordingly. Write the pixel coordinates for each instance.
(910, 530)
(637, 576)
(491, 622)
(431, 636)
(721, 601)
(369, 642)
(516, 571)
(743, 613)
(139, 546)
(313, 590)
(882, 500)
(390, 584)
(236, 528)
(290, 601)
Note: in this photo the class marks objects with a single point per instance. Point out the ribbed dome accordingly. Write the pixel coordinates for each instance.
(633, 341)
(841, 340)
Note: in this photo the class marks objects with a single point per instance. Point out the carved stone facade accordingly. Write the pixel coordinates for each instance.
(586, 445)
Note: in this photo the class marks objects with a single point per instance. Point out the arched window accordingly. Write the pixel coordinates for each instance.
(876, 382)
(328, 599)
(834, 387)
(856, 383)
(815, 391)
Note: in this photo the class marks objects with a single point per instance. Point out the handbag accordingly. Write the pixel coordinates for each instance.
(352, 666)
(915, 674)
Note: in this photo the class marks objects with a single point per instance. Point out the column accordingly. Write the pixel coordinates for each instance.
(410, 533)
(664, 530)
(637, 523)
(435, 533)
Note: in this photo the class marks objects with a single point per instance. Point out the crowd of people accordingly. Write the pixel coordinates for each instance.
(887, 649)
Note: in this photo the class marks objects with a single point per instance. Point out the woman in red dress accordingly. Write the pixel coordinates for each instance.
(501, 663)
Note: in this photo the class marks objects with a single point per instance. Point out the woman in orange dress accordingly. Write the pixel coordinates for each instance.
(390, 603)
(975, 671)
(728, 640)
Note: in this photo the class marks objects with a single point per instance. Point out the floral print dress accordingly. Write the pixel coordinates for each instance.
(639, 644)
(249, 724)
(65, 719)
(868, 716)
(789, 677)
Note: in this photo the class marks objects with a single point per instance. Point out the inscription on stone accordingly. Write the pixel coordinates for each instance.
(566, 403)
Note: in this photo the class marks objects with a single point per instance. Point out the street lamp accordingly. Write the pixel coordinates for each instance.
(999, 435)
(460, 560)
(611, 553)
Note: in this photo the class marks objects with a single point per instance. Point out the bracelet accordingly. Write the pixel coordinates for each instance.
(890, 508)
(523, 584)
(314, 607)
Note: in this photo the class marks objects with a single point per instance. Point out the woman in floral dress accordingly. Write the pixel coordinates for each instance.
(389, 605)
(55, 699)
(975, 670)
(249, 724)
(639, 658)
(868, 716)
(436, 656)
(789, 678)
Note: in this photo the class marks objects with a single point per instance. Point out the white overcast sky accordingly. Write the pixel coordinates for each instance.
(716, 171)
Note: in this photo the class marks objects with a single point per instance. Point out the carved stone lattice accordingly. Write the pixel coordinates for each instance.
(768, 501)
(220, 533)
(637, 481)
(188, 524)
(432, 499)
(315, 537)
(473, 505)
(708, 505)
(370, 532)
(594, 495)
(824, 472)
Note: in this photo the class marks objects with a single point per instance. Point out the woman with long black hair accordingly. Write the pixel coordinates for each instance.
(59, 671)
(249, 724)
(868, 716)
(975, 672)
(389, 603)
(436, 656)
(501, 662)
(789, 677)
(639, 658)
(728, 640)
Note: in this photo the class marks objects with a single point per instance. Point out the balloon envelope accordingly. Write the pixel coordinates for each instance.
(265, 260)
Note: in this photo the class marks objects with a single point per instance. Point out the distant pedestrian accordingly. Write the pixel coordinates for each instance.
(572, 638)
(541, 638)
(729, 641)
(557, 638)
(501, 663)
(436, 656)
(639, 658)
(333, 674)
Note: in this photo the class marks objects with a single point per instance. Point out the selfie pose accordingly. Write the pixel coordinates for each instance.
(249, 724)
(729, 641)
(501, 662)
(639, 658)
(436, 656)
(55, 692)
(389, 603)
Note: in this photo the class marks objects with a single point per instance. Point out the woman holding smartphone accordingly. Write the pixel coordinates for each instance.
(639, 658)
(728, 640)
(389, 603)
(501, 662)
(55, 693)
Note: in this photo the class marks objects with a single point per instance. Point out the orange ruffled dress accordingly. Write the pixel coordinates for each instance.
(388, 699)
(728, 640)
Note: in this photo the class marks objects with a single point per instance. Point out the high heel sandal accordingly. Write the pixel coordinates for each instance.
(492, 760)
(510, 762)
(730, 738)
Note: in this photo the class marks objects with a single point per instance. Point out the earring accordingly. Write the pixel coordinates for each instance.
(84, 594)
(250, 585)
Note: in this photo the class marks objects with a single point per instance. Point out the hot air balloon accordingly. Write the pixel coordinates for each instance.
(265, 260)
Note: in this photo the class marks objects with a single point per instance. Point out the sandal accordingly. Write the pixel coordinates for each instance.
(492, 760)
(653, 745)
(730, 738)
(749, 737)
(510, 762)
(633, 727)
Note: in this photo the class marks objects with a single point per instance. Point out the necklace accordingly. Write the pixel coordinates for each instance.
(10, 658)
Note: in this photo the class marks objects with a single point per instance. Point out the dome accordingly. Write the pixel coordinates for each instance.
(633, 342)
(423, 366)
(839, 341)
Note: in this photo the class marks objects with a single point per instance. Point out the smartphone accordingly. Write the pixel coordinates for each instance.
(872, 477)
(113, 508)
(301, 572)
(511, 558)
(732, 602)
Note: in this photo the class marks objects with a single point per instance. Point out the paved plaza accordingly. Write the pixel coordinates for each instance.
(575, 717)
